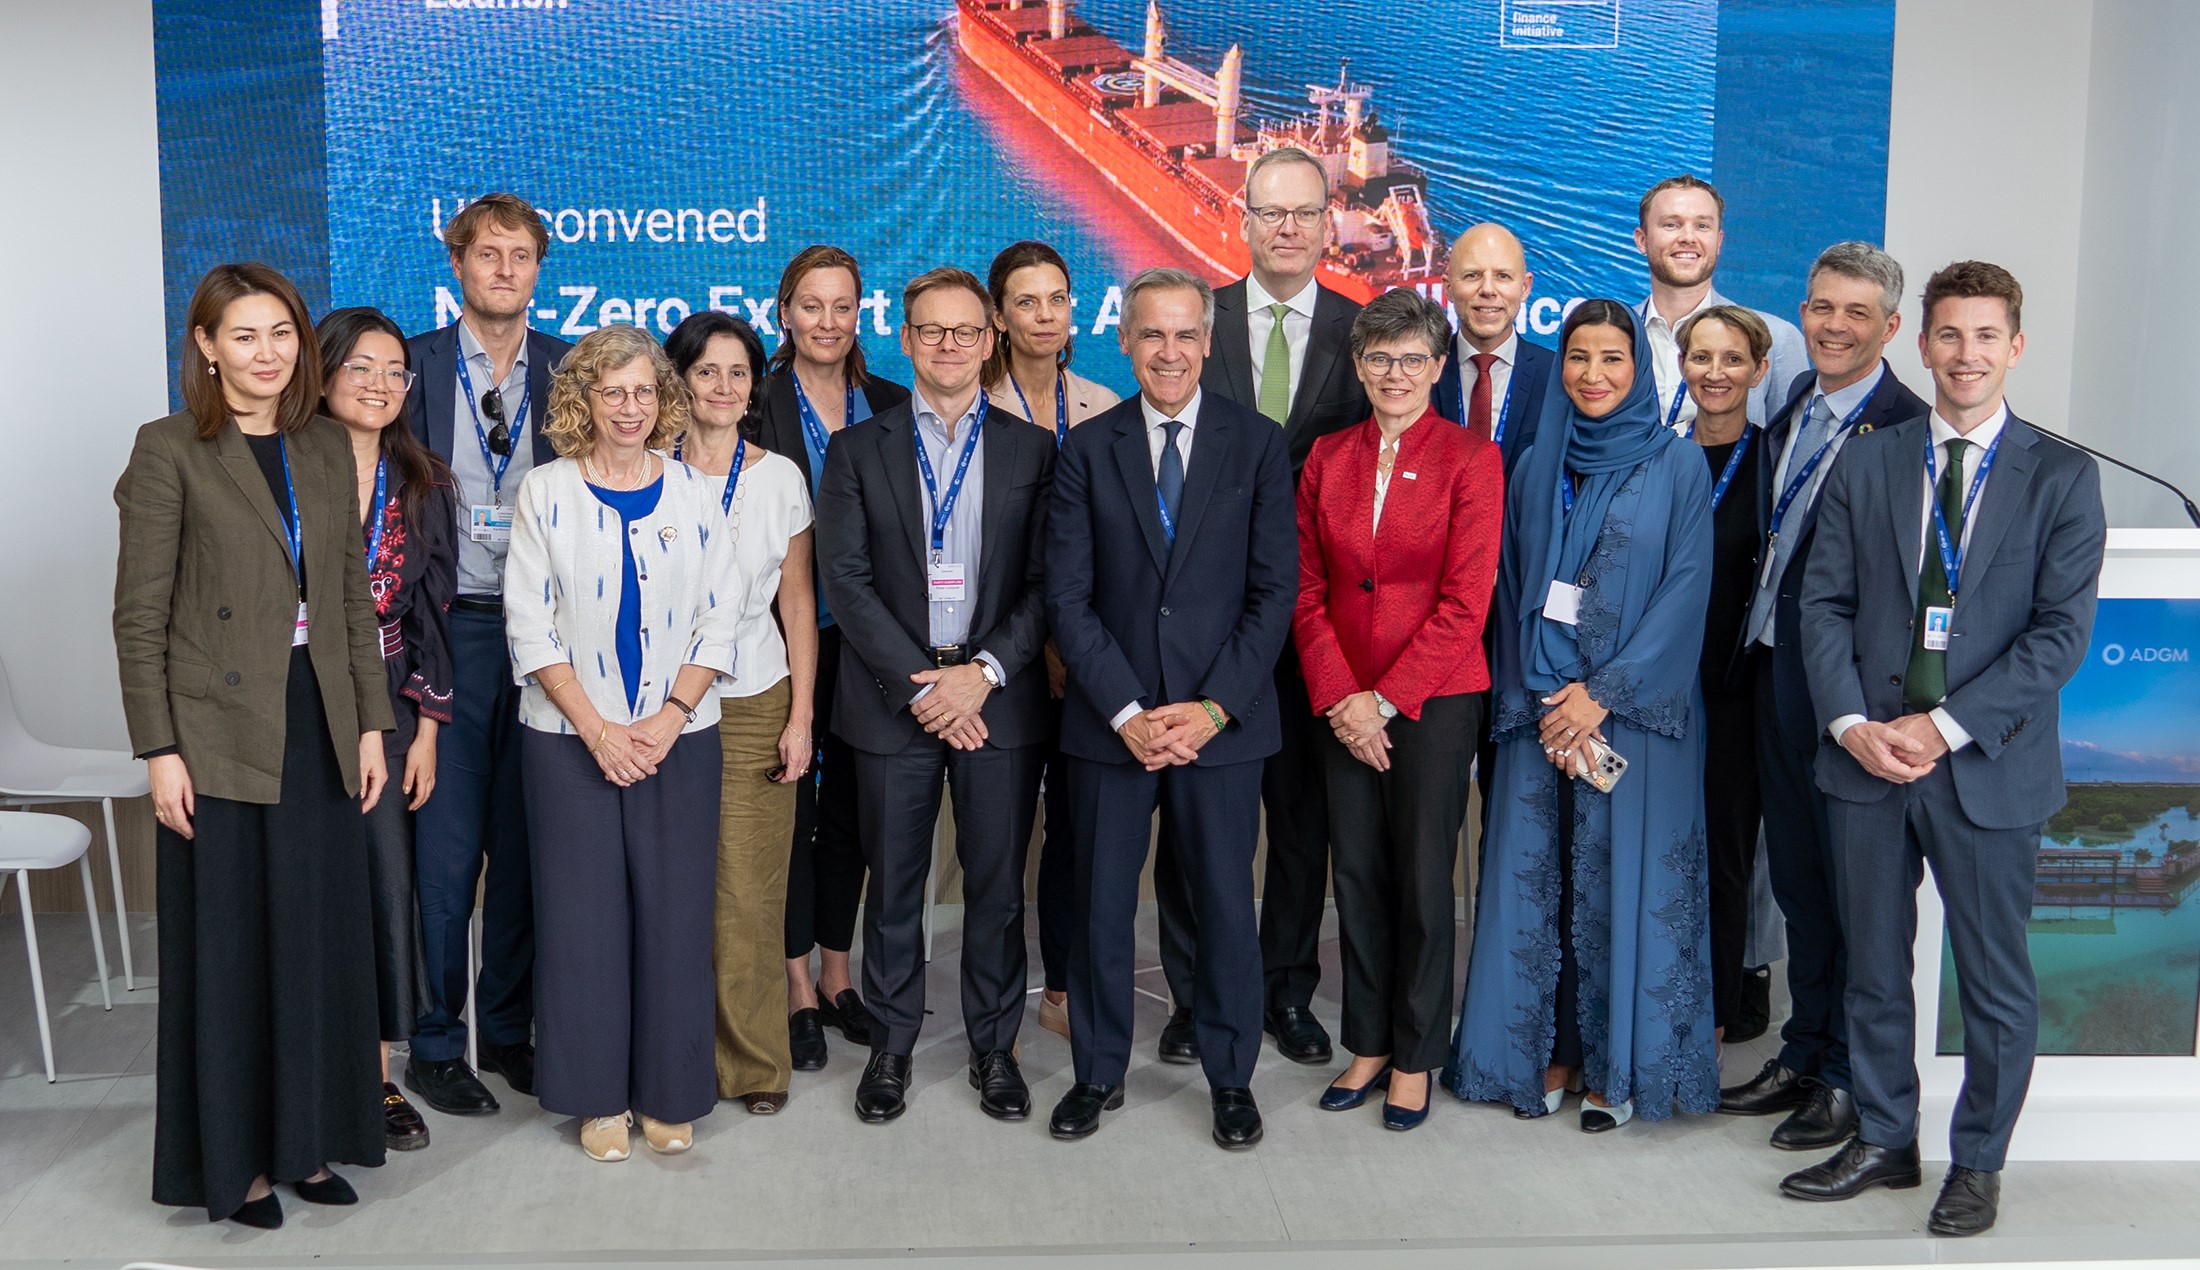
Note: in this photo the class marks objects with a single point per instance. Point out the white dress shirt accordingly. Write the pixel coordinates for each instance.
(1298, 328)
(1157, 436)
(1981, 439)
(963, 541)
(1665, 358)
(771, 504)
(1501, 375)
(1842, 403)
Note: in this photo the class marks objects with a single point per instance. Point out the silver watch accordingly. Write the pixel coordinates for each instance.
(985, 668)
(1384, 708)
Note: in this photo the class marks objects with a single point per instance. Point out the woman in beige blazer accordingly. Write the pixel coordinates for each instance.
(253, 685)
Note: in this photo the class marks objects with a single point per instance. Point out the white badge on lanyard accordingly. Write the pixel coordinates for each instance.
(298, 634)
(1563, 604)
(1937, 621)
(491, 522)
(946, 581)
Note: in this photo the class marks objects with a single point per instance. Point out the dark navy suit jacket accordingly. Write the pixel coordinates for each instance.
(1523, 404)
(428, 407)
(1329, 395)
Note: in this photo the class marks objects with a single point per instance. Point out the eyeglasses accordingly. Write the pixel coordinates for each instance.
(931, 333)
(500, 437)
(1411, 363)
(361, 375)
(645, 395)
(1303, 217)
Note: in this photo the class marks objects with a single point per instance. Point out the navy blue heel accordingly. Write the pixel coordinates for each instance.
(1338, 1098)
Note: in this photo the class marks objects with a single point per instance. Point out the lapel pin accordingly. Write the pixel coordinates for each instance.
(668, 533)
(1863, 428)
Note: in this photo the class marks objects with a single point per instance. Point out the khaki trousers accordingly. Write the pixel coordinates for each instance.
(755, 826)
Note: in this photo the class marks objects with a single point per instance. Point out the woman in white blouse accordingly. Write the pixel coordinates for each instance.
(622, 603)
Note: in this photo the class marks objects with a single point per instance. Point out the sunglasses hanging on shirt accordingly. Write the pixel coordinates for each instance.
(500, 436)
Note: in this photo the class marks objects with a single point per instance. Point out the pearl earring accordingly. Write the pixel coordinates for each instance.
(210, 369)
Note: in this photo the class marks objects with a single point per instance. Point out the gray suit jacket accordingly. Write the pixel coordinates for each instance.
(2023, 613)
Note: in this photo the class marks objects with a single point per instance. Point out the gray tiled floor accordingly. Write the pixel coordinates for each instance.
(74, 1160)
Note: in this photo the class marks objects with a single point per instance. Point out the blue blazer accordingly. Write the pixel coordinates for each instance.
(2023, 612)
(1523, 404)
(428, 407)
(1135, 620)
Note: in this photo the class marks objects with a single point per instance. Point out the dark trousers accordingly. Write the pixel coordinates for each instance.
(1985, 879)
(1566, 1003)
(825, 867)
(1057, 898)
(995, 793)
(1295, 885)
(476, 814)
(1396, 836)
(625, 884)
(1799, 852)
(1216, 811)
(1731, 811)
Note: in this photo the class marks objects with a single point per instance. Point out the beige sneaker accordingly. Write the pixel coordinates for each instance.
(667, 1139)
(1054, 1015)
(605, 1138)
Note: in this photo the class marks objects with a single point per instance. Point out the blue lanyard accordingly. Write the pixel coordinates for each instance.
(1168, 522)
(1061, 406)
(374, 517)
(814, 427)
(489, 459)
(942, 508)
(293, 530)
(1801, 476)
(1504, 411)
(740, 447)
(1733, 465)
(1566, 491)
(1673, 416)
(1951, 554)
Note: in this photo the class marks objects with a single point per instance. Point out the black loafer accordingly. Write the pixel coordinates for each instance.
(1773, 1088)
(1855, 1168)
(264, 1213)
(1969, 1201)
(1827, 1120)
(449, 1086)
(806, 1040)
(1002, 1093)
(1180, 1037)
(883, 1093)
(848, 1013)
(516, 1063)
(1078, 1114)
(1300, 1036)
(1237, 1120)
(1753, 1012)
(402, 1126)
(332, 1190)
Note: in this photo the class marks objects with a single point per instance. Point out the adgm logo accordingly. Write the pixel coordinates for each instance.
(2117, 654)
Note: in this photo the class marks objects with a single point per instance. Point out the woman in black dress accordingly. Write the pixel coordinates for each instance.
(253, 688)
(408, 517)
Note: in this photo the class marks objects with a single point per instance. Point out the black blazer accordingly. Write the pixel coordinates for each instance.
(428, 407)
(1134, 619)
(781, 428)
(1523, 405)
(1329, 397)
(872, 532)
(1890, 403)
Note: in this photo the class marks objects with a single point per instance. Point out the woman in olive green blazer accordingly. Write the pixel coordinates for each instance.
(253, 685)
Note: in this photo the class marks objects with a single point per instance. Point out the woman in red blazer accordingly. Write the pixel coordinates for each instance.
(1398, 529)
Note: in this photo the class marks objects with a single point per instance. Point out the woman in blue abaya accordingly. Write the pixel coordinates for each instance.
(1591, 961)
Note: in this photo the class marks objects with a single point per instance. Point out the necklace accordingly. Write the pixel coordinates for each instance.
(611, 480)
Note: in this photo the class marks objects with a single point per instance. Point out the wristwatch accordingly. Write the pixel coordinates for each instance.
(985, 668)
(1384, 708)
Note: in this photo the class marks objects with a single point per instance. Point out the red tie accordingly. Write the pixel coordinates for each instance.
(1478, 409)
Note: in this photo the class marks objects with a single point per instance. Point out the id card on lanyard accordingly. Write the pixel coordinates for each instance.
(946, 579)
(492, 521)
(1940, 621)
(296, 536)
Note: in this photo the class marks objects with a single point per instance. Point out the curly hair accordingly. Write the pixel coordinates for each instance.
(571, 428)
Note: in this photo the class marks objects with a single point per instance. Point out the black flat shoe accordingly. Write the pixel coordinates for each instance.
(806, 1040)
(1237, 1120)
(848, 1013)
(1078, 1114)
(1753, 1012)
(1339, 1098)
(1856, 1167)
(1773, 1088)
(516, 1063)
(403, 1129)
(1828, 1119)
(332, 1190)
(1002, 1093)
(264, 1213)
(1969, 1201)
(1300, 1036)
(883, 1093)
(1180, 1037)
(450, 1087)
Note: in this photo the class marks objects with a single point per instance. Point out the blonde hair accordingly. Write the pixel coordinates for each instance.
(570, 427)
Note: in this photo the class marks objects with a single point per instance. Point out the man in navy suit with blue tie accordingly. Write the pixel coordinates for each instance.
(1171, 576)
(1494, 380)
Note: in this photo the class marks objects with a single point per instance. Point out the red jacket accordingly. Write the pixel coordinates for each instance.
(1399, 609)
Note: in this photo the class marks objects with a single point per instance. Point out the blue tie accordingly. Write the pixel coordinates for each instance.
(1169, 478)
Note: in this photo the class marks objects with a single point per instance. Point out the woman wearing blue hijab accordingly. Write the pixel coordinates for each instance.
(1591, 961)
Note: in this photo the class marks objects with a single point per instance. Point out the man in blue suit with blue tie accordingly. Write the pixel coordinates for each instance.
(1171, 576)
(1950, 596)
(1494, 380)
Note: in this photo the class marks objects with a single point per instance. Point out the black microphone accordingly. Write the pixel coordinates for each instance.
(2190, 510)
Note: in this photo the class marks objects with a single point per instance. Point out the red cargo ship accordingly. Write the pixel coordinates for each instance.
(1173, 140)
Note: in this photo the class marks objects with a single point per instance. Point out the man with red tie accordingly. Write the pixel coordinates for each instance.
(1494, 380)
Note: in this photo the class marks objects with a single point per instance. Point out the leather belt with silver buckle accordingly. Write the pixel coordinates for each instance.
(949, 654)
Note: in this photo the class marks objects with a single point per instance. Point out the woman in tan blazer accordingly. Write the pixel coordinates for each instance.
(253, 685)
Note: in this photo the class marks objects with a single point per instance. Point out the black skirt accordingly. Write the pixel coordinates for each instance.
(267, 1011)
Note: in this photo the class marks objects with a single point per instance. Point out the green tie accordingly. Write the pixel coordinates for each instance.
(1927, 682)
(1275, 369)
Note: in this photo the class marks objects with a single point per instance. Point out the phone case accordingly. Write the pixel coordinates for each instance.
(1600, 765)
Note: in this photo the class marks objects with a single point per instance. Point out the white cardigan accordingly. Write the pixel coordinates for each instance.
(562, 579)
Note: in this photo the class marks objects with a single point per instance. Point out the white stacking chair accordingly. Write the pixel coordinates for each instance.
(34, 773)
(30, 841)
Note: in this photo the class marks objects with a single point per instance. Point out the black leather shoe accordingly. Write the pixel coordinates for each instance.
(516, 1063)
(1855, 1168)
(1753, 1012)
(848, 1013)
(402, 1127)
(1299, 1035)
(1969, 1201)
(450, 1087)
(1002, 1093)
(1828, 1119)
(883, 1093)
(1237, 1120)
(1180, 1038)
(332, 1190)
(264, 1213)
(1775, 1088)
(1078, 1114)
(806, 1040)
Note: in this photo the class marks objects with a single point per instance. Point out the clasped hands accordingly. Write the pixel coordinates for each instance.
(1170, 735)
(951, 711)
(1573, 715)
(630, 752)
(1897, 752)
(1362, 729)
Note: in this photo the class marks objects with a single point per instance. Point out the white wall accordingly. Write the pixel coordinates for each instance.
(82, 320)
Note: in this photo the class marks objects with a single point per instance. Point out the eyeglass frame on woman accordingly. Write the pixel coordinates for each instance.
(362, 375)
(938, 334)
(644, 394)
(1400, 360)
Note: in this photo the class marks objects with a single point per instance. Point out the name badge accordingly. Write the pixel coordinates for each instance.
(946, 582)
(1937, 622)
(1563, 604)
(298, 633)
(490, 522)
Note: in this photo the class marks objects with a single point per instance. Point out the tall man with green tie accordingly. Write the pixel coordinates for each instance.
(1282, 346)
